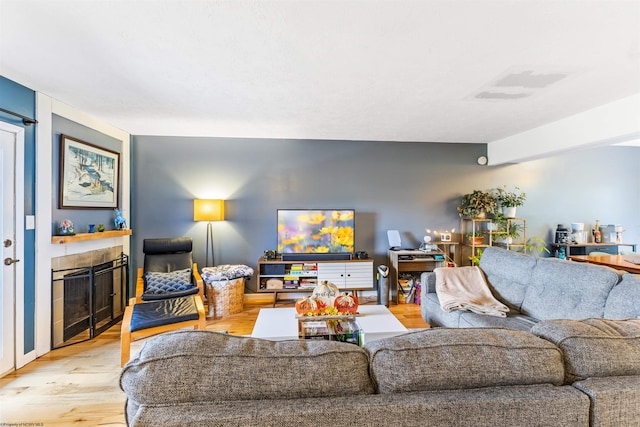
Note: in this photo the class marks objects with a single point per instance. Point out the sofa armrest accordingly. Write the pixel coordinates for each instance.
(594, 347)
(428, 282)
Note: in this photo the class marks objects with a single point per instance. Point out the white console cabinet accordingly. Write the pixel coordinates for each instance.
(350, 275)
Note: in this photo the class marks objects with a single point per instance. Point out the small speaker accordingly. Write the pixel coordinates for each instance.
(270, 254)
(362, 255)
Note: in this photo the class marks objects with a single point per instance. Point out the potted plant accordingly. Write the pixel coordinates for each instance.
(498, 227)
(510, 200)
(536, 246)
(475, 259)
(513, 231)
(477, 204)
(475, 238)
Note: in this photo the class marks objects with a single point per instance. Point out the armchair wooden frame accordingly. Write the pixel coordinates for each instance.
(126, 336)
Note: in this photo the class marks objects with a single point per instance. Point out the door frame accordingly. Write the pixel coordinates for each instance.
(18, 292)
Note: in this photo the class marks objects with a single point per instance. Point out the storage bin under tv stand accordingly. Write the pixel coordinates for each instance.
(348, 275)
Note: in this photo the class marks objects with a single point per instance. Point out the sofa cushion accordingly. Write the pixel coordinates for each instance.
(163, 312)
(449, 359)
(514, 320)
(568, 290)
(508, 274)
(623, 301)
(159, 283)
(199, 366)
(595, 347)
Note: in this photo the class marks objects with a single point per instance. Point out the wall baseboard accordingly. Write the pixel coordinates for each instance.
(258, 298)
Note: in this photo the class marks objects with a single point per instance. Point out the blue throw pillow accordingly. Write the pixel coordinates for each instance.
(160, 283)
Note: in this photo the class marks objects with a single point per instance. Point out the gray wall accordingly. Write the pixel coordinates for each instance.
(404, 186)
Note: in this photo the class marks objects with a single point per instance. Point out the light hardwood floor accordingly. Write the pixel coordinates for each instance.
(78, 385)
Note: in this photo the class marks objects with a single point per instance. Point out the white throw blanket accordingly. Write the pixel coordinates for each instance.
(226, 272)
(464, 288)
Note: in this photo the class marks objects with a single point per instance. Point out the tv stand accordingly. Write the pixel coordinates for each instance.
(316, 257)
(294, 276)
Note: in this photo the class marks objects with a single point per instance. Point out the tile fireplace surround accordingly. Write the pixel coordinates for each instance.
(82, 260)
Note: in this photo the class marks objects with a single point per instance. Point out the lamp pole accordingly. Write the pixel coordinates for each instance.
(209, 244)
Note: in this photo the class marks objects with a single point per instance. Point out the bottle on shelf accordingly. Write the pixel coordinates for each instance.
(597, 236)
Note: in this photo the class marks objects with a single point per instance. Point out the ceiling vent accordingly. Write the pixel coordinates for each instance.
(529, 79)
(518, 83)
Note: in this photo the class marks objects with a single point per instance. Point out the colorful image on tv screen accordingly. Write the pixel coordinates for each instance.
(315, 231)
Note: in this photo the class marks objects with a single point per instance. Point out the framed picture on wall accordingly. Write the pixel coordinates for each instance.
(89, 175)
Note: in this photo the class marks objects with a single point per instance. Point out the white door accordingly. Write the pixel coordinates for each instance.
(10, 139)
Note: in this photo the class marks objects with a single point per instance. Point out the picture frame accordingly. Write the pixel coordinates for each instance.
(89, 175)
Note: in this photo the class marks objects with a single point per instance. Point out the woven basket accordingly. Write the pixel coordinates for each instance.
(225, 297)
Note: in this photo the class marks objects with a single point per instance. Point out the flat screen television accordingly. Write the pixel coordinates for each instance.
(316, 231)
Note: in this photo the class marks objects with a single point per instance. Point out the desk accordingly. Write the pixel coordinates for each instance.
(619, 262)
(411, 261)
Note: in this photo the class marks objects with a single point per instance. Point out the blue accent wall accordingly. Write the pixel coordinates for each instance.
(403, 186)
(81, 217)
(22, 100)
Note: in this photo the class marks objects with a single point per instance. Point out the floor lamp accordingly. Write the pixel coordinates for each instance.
(208, 210)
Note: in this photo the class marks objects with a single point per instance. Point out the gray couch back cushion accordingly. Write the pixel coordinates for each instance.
(595, 347)
(508, 274)
(199, 366)
(568, 290)
(452, 359)
(624, 299)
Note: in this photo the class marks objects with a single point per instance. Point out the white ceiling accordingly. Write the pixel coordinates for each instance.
(444, 71)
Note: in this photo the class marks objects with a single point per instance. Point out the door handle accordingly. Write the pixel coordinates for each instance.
(9, 261)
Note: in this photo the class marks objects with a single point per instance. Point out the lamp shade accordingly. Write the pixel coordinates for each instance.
(208, 210)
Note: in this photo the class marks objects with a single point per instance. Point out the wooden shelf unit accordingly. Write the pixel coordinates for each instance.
(353, 275)
(485, 226)
(83, 237)
(473, 226)
(511, 244)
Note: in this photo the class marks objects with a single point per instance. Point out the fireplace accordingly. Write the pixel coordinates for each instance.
(88, 299)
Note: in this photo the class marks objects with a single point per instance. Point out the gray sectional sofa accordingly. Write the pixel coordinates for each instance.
(562, 373)
(538, 289)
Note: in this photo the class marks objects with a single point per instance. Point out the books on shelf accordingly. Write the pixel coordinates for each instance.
(308, 283)
(290, 282)
(305, 269)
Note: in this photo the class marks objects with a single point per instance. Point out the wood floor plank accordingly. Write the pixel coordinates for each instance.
(78, 385)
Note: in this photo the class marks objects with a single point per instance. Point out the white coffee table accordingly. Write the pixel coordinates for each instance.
(278, 324)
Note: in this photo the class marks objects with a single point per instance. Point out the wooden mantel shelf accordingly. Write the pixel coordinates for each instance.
(82, 237)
